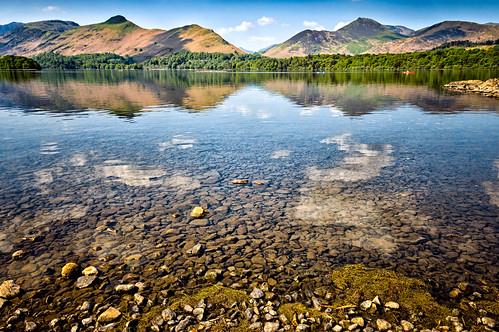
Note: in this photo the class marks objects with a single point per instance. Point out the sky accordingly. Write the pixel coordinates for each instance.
(256, 24)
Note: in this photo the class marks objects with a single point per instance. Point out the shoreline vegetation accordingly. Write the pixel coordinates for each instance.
(447, 58)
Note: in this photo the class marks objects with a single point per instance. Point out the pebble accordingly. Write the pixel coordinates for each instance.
(2, 303)
(168, 315)
(9, 289)
(240, 181)
(109, 316)
(197, 212)
(30, 326)
(358, 320)
(85, 281)
(182, 325)
(18, 254)
(406, 326)
(488, 322)
(126, 288)
(271, 327)
(139, 299)
(256, 326)
(383, 325)
(337, 328)
(455, 293)
(90, 271)
(70, 270)
(199, 313)
(196, 250)
(302, 327)
(392, 305)
(366, 305)
(257, 293)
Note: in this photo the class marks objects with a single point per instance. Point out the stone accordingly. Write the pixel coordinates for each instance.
(183, 324)
(337, 328)
(488, 322)
(54, 323)
(257, 293)
(188, 308)
(9, 289)
(197, 212)
(199, 313)
(30, 326)
(139, 299)
(110, 315)
(240, 181)
(358, 320)
(271, 327)
(213, 275)
(85, 281)
(455, 293)
(366, 305)
(352, 327)
(302, 328)
(406, 326)
(383, 325)
(18, 254)
(90, 271)
(377, 301)
(196, 250)
(70, 270)
(256, 326)
(168, 315)
(87, 321)
(2, 303)
(126, 288)
(392, 305)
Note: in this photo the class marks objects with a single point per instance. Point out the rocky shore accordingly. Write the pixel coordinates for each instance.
(489, 88)
(356, 298)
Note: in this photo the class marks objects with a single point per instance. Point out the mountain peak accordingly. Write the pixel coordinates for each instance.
(118, 19)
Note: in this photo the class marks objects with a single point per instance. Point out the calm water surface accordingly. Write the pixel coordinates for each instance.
(104, 168)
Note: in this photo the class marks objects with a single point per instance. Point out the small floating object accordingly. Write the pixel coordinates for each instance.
(240, 181)
(408, 72)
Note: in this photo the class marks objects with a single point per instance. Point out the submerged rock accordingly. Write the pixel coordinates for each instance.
(197, 212)
(240, 181)
(90, 271)
(70, 270)
(196, 250)
(109, 316)
(9, 289)
(85, 281)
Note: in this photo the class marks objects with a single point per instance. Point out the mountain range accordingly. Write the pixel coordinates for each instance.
(116, 35)
(120, 36)
(365, 35)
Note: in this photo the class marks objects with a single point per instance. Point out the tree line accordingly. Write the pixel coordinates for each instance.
(446, 58)
(10, 62)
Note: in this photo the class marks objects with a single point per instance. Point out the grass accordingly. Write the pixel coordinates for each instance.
(358, 283)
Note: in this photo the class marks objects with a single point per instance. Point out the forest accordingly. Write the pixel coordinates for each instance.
(445, 58)
(11, 62)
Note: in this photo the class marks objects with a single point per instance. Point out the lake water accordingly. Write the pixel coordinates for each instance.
(104, 168)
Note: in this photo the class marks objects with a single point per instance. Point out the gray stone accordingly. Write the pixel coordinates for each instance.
(85, 281)
(406, 326)
(271, 327)
(183, 324)
(366, 305)
(197, 250)
(168, 315)
(257, 293)
(392, 305)
(126, 288)
(383, 325)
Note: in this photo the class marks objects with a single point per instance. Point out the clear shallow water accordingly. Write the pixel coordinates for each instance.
(104, 168)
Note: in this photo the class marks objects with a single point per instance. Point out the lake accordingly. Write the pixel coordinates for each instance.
(383, 169)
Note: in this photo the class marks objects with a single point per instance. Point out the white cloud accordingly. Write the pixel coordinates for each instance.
(312, 25)
(241, 27)
(265, 20)
(340, 25)
(51, 8)
(262, 39)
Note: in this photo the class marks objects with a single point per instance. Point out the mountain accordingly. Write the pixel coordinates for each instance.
(365, 35)
(440, 33)
(9, 27)
(30, 36)
(116, 35)
(357, 37)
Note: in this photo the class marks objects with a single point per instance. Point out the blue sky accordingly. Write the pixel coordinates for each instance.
(252, 24)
